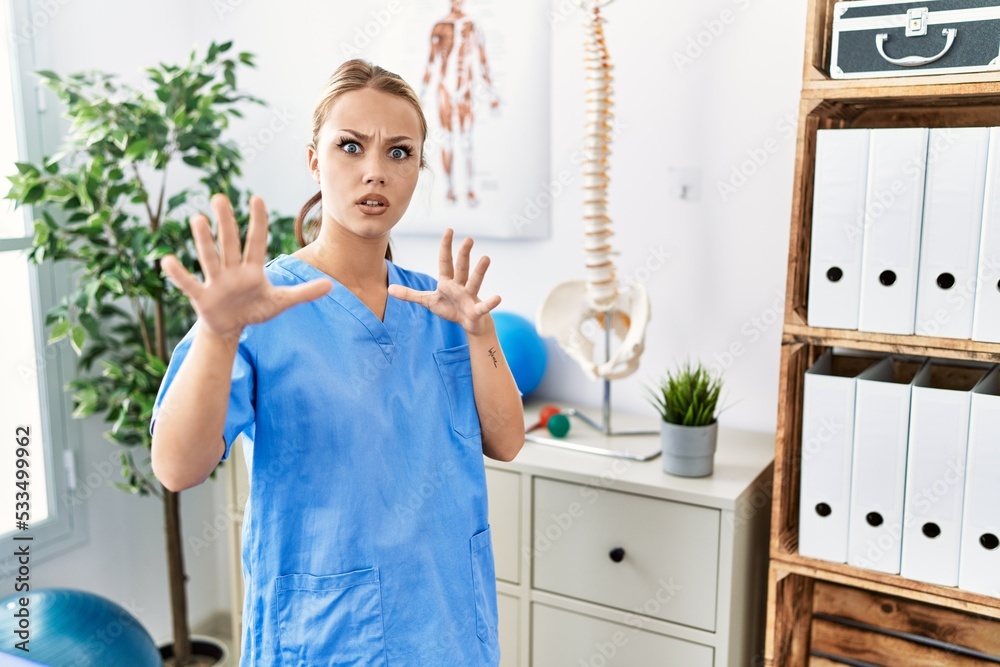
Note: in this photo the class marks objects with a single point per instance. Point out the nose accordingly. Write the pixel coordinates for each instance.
(375, 171)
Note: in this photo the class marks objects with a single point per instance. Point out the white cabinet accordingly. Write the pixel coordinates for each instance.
(560, 637)
(620, 550)
(505, 521)
(619, 563)
(509, 609)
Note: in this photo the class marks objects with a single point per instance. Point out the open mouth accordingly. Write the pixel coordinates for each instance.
(373, 206)
(372, 203)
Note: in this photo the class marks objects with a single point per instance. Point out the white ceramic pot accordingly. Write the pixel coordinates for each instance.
(688, 451)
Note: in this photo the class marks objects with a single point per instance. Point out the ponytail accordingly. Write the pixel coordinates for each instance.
(313, 227)
(300, 220)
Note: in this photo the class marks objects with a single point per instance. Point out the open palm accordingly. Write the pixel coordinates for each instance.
(456, 298)
(236, 291)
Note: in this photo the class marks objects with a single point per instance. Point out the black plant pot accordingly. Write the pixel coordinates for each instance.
(203, 647)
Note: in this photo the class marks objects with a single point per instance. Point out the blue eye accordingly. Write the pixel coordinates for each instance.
(347, 142)
(399, 153)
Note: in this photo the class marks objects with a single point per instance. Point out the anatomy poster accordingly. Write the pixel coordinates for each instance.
(481, 68)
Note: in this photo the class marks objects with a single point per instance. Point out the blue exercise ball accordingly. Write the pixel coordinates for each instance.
(66, 627)
(523, 348)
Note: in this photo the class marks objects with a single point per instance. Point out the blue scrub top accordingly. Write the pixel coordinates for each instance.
(365, 537)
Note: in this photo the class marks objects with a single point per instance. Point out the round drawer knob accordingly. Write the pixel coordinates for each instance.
(617, 554)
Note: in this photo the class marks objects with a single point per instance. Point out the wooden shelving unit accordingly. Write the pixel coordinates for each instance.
(892, 343)
(821, 613)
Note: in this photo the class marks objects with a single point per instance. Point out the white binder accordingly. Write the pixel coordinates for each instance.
(878, 471)
(891, 246)
(839, 184)
(827, 442)
(979, 565)
(935, 471)
(949, 238)
(986, 321)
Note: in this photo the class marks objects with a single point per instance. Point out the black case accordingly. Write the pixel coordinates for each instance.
(878, 38)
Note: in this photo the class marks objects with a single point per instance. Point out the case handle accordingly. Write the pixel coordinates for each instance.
(915, 61)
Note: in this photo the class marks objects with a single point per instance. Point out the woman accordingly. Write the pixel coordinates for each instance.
(369, 395)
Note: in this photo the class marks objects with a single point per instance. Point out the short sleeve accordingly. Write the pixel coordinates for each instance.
(241, 410)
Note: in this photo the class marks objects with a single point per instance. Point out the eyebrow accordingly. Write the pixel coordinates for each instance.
(388, 140)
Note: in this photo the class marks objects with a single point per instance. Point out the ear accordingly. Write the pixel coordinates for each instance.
(312, 162)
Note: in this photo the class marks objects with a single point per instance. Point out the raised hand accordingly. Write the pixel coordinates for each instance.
(236, 292)
(457, 295)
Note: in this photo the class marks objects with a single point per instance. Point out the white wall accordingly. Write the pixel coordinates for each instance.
(717, 298)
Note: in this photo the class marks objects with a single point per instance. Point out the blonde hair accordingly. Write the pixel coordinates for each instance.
(356, 74)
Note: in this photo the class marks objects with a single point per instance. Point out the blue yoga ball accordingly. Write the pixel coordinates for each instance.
(523, 348)
(67, 627)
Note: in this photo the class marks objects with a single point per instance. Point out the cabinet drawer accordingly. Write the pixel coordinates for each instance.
(504, 491)
(669, 565)
(509, 609)
(560, 637)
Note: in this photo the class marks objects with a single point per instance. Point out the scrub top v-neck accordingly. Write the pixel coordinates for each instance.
(383, 330)
(365, 537)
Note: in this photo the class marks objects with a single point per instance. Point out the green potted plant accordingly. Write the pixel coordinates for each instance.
(104, 205)
(687, 400)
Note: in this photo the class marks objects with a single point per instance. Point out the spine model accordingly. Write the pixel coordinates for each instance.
(601, 282)
(573, 307)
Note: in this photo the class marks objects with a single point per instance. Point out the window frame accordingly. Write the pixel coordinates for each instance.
(38, 134)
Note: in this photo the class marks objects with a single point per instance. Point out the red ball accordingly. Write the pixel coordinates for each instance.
(547, 413)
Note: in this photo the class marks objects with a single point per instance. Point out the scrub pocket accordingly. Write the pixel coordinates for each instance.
(456, 372)
(484, 585)
(333, 619)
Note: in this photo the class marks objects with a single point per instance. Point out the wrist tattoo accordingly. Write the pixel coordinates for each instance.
(493, 356)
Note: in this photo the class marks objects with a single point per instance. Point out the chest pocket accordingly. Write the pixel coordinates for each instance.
(330, 619)
(456, 373)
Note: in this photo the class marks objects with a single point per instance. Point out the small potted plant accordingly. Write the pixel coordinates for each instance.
(687, 400)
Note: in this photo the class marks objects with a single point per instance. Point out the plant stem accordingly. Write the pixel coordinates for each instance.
(141, 314)
(177, 579)
(159, 323)
(154, 223)
(142, 188)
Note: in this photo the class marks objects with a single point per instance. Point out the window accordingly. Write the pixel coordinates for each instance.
(32, 373)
